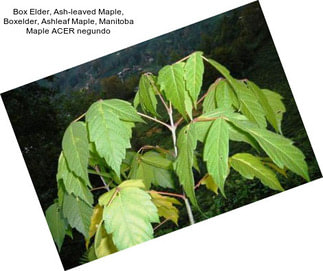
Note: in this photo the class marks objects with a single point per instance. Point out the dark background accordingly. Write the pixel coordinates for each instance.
(239, 39)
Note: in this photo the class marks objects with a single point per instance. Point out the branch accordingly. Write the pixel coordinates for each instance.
(155, 120)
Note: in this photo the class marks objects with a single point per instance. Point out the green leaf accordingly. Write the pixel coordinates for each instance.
(110, 135)
(171, 81)
(249, 106)
(281, 150)
(106, 197)
(75, 148)
(224, 94)
(250, 166)
(194, 69)
(147, 168)
(275, 102)
(156, 159)
(128, 217)
(186, 143)
(147, 96)
(165, 206)
(72, 183)
(269, 111)
(123, 109)
(216, 151)
(103, 244)
(78, 214)
(56, 224)
(209, 103)
(237, 134)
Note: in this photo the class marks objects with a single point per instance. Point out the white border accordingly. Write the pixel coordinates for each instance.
(283, 232)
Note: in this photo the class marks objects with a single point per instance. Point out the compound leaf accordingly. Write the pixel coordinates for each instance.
(194, 69)
(216, 151)
(56, 224)
(128, 217)
(75, 148)
(250, 166)
(186, 143)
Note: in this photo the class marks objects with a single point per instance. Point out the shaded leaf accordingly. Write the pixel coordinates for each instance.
(146, 96)
(77, 213)
(275, 101)
(56, 224)
(152, 168)
(75, 148)
(249, 106)
(269, 111)
(209, 102)
(186, 143)
(281, 150)
(250, 166)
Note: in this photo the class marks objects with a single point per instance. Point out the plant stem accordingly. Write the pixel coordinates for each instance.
(169, 194)
(155, 120)
(97, 169)
(79, 117)
(161, 223)
(210, 89)
(189, 211)
(173, 128)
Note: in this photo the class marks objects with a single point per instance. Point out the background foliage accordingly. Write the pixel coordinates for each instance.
(239, 39)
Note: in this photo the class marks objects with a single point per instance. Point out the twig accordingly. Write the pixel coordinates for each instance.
(189, 211)
(169, 194)
(97, 169)
(209, 90)
(161, 223)
(79, 117)
(155, 120)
